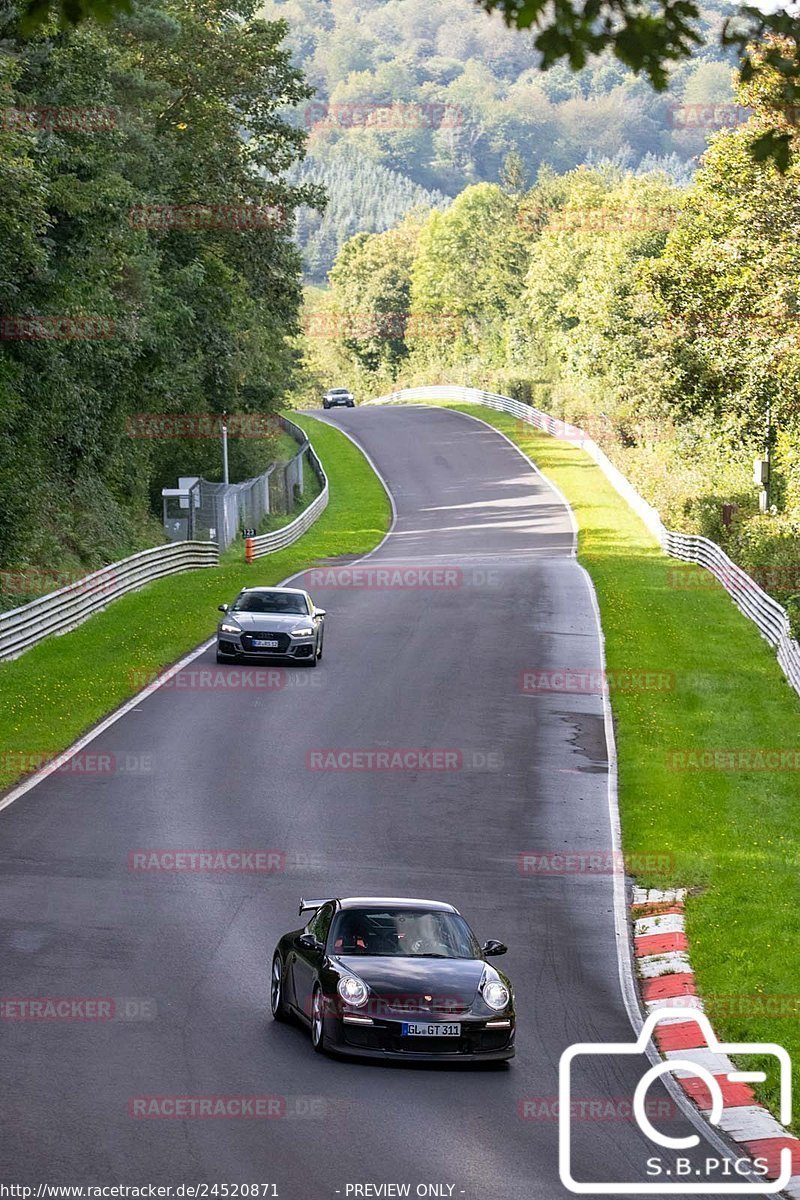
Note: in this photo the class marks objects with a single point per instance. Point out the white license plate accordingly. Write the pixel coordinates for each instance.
(265, 643)
(434, 1029)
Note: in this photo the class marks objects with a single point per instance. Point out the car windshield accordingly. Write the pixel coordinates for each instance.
(270, 602)
(338, 392)
(402, 933)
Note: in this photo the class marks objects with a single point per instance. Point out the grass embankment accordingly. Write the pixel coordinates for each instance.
(732, 834)
(59, 689)
(311, 489)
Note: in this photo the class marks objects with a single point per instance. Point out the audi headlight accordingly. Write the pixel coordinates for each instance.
(352, 990)
(229, 627)
(304, 632)
(495, 994)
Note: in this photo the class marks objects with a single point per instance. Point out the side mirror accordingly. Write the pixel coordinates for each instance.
(493, 947)
(319, 612)
(309, 941)
(222, 608)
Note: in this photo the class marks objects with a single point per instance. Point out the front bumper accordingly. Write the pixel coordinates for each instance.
(479, 1040)
(288, 648)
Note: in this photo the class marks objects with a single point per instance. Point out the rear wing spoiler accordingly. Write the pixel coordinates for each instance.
(305, 905)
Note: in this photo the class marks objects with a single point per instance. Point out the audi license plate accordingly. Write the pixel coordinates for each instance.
(434, 1029)
(265, 643)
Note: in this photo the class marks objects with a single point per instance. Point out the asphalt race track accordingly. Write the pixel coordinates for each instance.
(185, 955)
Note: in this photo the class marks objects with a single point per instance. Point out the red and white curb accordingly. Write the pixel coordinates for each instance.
(666, 980)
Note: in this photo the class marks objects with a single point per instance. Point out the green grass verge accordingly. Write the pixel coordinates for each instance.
(59, 689)
(311, 489)
(731, 834)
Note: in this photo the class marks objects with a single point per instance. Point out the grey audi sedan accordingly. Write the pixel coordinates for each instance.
(271, 623)
(337, 396)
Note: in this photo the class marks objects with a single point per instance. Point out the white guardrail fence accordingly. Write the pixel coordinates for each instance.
(60, 611)
(70, 606)
(770, 617)
(268, 543)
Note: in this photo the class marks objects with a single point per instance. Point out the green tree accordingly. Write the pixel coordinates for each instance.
(196, 318)
(371, 287)
(467, 273)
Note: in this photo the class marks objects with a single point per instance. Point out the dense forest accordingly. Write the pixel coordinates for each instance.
(441, 93)
(146, 263)
(666, 320)
(362, 196)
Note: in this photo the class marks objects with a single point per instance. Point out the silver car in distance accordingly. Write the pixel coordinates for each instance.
(271, 623)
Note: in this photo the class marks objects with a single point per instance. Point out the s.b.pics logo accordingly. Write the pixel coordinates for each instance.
(670, 1168)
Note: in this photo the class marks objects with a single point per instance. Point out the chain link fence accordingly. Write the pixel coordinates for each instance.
(200, 510)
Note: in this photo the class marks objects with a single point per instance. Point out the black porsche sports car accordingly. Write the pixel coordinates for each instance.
(393, 978)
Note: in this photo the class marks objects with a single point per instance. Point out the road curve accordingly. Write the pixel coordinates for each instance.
(200, 767)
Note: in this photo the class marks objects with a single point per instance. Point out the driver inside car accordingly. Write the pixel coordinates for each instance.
(353, 938)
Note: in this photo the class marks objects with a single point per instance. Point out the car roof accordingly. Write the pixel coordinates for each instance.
(395, 902)
(294, 591)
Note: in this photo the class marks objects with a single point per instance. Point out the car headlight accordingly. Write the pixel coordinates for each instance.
(228, 627)
(495, 994)
(304, 632)
(352, 990)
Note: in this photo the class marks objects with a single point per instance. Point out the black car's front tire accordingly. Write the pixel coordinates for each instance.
(318, 1020)
(279, 1011)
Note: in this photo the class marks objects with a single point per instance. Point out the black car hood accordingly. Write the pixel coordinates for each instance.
(398, 976)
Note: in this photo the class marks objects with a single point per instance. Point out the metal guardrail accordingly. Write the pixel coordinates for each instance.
(766, 613)
(268, 543)
(70, 606)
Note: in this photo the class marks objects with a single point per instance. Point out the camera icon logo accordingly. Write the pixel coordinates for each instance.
(709, 1186)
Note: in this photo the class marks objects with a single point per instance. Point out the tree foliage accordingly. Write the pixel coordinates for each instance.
(363, 197)
(192, 96)
(444, 95)
(665, 320)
